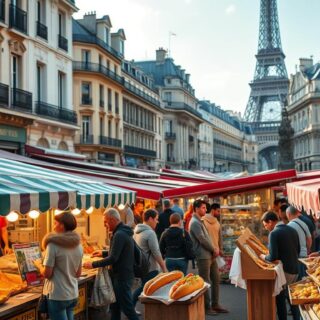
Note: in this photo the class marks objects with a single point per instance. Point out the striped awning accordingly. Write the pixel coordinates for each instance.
(24, 187)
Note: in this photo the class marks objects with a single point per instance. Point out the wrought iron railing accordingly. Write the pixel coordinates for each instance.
(183, 106)
(42, 30)
(21, 99)
(140, 151)
(4, 94)
(62, 42)
(18, 18)
(86, 139)
(86, 100)
(112, 142)
(55, 112)
(95, 40)
(170, 135)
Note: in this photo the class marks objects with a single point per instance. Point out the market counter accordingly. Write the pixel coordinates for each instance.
(23, 306)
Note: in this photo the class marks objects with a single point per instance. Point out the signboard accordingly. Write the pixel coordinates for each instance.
(13, 134)
(81, 305)
(28, 315)
(28, 255)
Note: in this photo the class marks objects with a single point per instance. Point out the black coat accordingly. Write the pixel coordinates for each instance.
(121, 254)
(164, 222)
(284, 246)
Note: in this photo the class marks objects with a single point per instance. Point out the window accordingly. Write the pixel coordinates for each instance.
(86, 56)
(100, 60)
(101, 95)
(116, 102)
(62, 24)
(117, 130)
(86, 93)
(61, 89)
(40, 82)
(122, 47)
(109, 128)
(106, 35)
(15, 71)
(168, 97)
(115, 69)
(86, 128)
(109, 100)
(101, 127)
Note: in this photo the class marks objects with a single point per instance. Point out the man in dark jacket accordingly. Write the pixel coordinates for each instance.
(164, 218)
(283, 246)
(121, 259)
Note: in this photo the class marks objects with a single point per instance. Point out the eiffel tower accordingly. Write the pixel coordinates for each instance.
(269, 87)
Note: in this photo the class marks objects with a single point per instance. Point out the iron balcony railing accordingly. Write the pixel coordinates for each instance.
(4, 94)
(62, 42)
(141, 94)
(221, 157)
(112, 142)
(140, 151)
(183, 106)
(55, 112)
(86, 100)
(86, 139)
(21, 99)
(170, 135)
(136, 122)
(96, 67)
(42, 30)
(2, 11)
(94, 40)
(18, 18)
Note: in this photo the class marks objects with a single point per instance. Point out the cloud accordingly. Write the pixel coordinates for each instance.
(230, 9)
(187, 1)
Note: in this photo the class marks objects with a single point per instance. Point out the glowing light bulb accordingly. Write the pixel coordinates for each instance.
(90, 210)
(57, 212)
(121, 206)
(12, 216)
(34, 214)
(76, 211)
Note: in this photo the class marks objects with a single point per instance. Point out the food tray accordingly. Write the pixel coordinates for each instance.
(314, 278)
(297, 301)
(309, 262)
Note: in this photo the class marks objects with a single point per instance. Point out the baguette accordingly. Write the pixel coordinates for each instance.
(160, 281)
(186, 286)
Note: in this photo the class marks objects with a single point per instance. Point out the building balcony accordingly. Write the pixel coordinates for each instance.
(4, 94)
(18, 19)
(141, 94)
(95, 40)
(183, 107)
(87, 139)
(111, 142)
(140, 151)
(191, 139)
(86, 100)
(55, 113)
(62, 42)
(21, 99)
(97, 68)
(2, 11)
(170, 136)
(42, 30)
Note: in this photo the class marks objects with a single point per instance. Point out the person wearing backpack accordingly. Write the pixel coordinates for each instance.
(174, 245)
(146, 238)
(121, 259)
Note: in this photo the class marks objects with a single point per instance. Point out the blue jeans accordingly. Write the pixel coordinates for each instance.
(177, 264)
(138, 291)
(124, 303)
(61, 310)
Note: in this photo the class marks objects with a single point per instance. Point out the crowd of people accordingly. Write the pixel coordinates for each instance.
(292, 235)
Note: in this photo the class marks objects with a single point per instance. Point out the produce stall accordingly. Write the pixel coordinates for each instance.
(29, 199)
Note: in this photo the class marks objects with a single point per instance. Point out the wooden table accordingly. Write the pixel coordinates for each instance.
(192, 309)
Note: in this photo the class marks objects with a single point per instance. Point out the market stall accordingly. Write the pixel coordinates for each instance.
(29, 198)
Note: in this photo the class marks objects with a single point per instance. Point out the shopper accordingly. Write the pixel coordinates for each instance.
(204, 250)
(4, 239)
(62, 267)
(164, 218)
(283, 214)
(121, 260)
(146, 238)
(283, 246)
(176, 208)
(187, 217)
(214, 229)
(173, 245)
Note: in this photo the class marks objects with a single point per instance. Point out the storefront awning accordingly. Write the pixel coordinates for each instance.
(305, 194)
(27, 187)
(232, 185)
(54, 152)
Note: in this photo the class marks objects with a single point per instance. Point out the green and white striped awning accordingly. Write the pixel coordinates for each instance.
(24, 187)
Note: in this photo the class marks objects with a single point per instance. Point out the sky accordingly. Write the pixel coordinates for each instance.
(213, 40)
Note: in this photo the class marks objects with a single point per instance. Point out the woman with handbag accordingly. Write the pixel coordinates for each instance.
(175, 244)
(62, 267)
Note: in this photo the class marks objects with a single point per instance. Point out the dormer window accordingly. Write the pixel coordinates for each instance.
(122, 47)
(107, 34)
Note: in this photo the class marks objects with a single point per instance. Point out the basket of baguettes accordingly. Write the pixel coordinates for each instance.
(304, 292)
(173, 286)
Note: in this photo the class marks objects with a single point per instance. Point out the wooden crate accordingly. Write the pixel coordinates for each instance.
(297, 301)
(192, 309)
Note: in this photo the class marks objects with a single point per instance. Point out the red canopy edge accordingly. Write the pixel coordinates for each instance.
(233, 185)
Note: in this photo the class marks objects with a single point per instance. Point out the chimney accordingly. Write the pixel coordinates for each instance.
(188, 77)
(89, 21)
(161, 55)
(305, 63)
(183, 72)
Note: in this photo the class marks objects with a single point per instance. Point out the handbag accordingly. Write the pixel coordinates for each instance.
(102, 292)
(43, 303)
